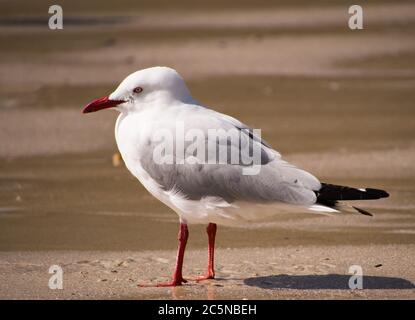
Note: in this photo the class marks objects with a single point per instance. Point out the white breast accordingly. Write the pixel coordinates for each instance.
(130, 134)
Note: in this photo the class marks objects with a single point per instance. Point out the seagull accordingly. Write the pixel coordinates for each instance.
(198, 182)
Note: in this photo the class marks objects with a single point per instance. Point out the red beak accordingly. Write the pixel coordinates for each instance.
(101, 103)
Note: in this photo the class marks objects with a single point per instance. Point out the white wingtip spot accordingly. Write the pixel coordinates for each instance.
(319, 208)
(362, 189)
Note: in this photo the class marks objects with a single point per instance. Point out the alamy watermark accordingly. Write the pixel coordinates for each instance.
(356, 280)
(56, 20)
(356, 18)
(208, 147)
(56, 280)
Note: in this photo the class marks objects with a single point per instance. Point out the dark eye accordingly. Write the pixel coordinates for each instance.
(138, 90)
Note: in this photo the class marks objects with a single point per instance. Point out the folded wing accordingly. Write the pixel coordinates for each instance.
(207, 174)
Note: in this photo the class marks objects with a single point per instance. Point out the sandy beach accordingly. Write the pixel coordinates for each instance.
(289, 272)
(336, 102)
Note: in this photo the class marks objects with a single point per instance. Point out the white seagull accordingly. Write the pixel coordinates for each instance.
(214, 191)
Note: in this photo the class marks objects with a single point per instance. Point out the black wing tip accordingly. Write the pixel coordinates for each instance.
(336, 192)
(377, 193)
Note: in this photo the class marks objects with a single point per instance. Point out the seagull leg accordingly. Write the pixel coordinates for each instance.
(177, 274)
(210, 273)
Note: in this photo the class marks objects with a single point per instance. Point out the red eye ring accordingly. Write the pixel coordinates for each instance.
(138, 89)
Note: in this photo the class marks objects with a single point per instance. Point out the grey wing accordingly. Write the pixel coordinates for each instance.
(276, 180)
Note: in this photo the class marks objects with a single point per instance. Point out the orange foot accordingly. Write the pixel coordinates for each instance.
(206, 276)
(172, 283)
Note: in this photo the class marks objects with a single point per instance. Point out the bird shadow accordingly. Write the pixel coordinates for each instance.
(329, 281)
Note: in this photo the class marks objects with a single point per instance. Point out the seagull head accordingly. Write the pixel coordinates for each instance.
(144, 88)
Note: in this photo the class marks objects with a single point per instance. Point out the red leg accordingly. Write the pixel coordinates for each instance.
(210, 273)
(177, 274)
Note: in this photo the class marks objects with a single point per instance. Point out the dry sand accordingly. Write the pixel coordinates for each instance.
(336, 102)
(253, 273)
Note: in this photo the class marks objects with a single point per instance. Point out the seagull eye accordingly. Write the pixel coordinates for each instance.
(138, 90)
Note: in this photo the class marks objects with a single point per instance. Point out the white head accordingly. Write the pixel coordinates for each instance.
(142, 88)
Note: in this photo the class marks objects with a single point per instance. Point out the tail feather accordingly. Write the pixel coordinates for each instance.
(330, 194)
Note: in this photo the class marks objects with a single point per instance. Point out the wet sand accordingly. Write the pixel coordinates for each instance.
(334, 102)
